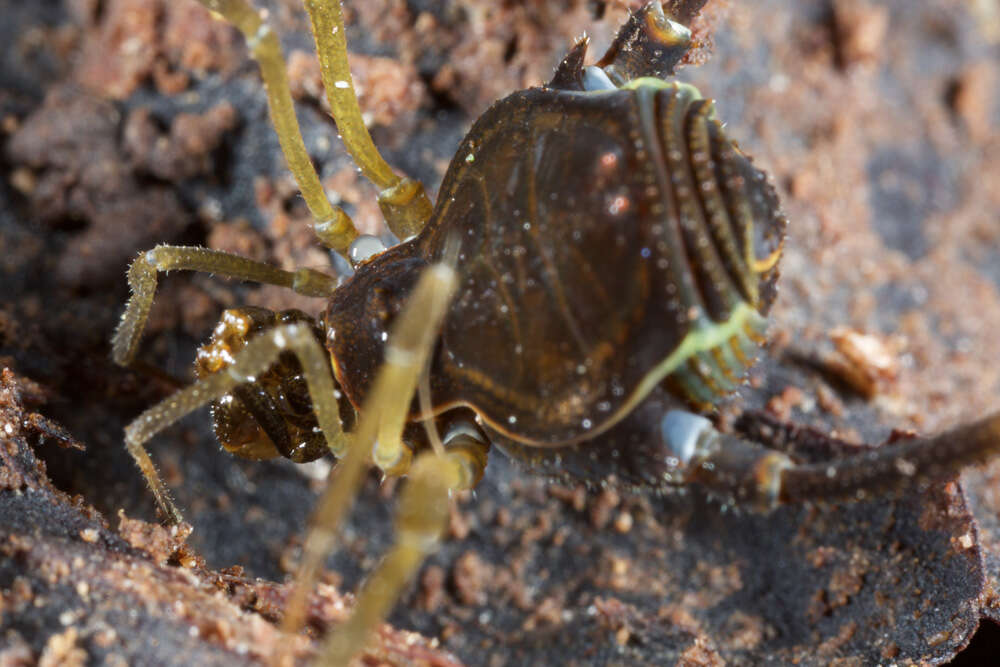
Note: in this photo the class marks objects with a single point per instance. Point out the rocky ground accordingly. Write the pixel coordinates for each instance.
(125, 123)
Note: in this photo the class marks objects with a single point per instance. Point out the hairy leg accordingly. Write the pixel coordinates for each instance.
(252, 360)
(142, 281)
(895, 466)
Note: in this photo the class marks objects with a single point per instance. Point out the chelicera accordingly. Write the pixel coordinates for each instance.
(595, 276)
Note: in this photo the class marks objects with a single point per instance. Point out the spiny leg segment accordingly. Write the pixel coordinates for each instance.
(255, 358)
(142, 281)
(424, 505)
(896, 465)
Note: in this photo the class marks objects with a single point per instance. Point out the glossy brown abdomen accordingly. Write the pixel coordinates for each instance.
(600, 253)
(587, 258)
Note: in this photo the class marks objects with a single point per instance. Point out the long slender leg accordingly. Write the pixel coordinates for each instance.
(253, 359)
(747, 472)
(899, 465)
(806, 444)
(421, 518)
(142, 281)
(379, 427)
(403, 201)
(333, 227)
(406, 358)
(419, 321)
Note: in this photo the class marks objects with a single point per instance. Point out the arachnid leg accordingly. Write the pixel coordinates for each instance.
(806, 444)
(142, 281)
(896, 465)
(380, 426)
(403, 201)
(333, 227)
(258, 354)
(749, 473)
(421, 519)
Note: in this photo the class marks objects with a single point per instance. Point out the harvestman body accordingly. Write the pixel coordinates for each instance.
(596, 271)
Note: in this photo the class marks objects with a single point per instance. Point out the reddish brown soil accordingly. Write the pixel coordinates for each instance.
(131, 122)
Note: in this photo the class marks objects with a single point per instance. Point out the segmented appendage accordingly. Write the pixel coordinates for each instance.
(272, 415)
(732, 232)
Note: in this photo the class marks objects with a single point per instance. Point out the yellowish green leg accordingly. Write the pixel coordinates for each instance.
(142, 281)
(379, 431)
(421, 519)
(255, 358)
(333, 227)
(403, 201)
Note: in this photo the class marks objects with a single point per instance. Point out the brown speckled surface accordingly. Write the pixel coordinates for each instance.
(880, 125)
